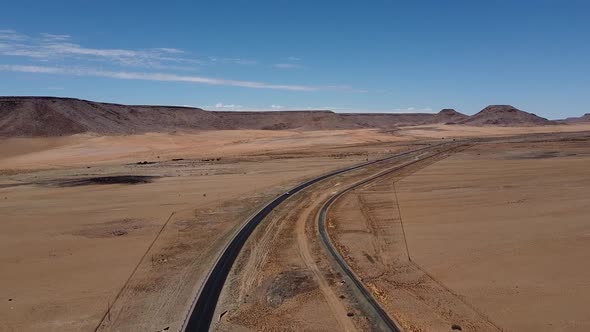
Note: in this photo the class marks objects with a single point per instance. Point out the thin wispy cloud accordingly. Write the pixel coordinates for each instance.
(49, 47)
(240, 108)
(54, 37)
(413, 110)
(162, 77)
(59, 54)
(274, 107)
(238, 61)
(290, 64)
(170, 50)
(11, 35)
(230, 106)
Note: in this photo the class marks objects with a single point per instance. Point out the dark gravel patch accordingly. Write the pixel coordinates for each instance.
(539, 155)
(288, 284)
(10, 185)
(118, 179)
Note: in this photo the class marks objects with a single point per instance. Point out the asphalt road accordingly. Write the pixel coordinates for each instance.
(203, 308)
(380, 318)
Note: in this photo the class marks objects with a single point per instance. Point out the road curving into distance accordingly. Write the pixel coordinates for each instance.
(379, 316)
(202, 310)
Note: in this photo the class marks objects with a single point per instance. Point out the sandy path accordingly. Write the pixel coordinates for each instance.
(336, 305)
(284, 280)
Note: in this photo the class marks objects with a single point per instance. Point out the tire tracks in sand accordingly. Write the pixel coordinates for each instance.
(336, 306)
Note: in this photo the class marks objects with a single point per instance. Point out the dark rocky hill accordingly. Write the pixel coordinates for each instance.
(504, 115)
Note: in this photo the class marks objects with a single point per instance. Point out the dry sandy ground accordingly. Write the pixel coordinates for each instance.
(506, 228)
(283, 279)
(365, 226)
(496, 234)
(440, 131)
(78, 150)
(68, 252)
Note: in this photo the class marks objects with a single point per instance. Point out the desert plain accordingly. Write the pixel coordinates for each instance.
(488, 230)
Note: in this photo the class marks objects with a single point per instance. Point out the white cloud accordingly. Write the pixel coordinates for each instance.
(11, 35)
(413, 110)
(153, 77)
(236, 61)
(170, 50)
(244, 61)
(54, 37)
(69, 48)
(293, 58)
(75, 59)
(240, 108)
(49, 47)
(30, 69)
(222, 105)
(336, 109)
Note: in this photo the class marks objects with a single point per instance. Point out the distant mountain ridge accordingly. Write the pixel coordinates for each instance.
(52, 116)
(48, 116)
(582, 119)
(392, 120)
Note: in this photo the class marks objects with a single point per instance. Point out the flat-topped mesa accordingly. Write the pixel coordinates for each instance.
(52, 116)
(582, 119)
(393, 120)
(505, 115)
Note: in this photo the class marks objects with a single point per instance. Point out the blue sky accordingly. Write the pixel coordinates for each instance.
(364, 56)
